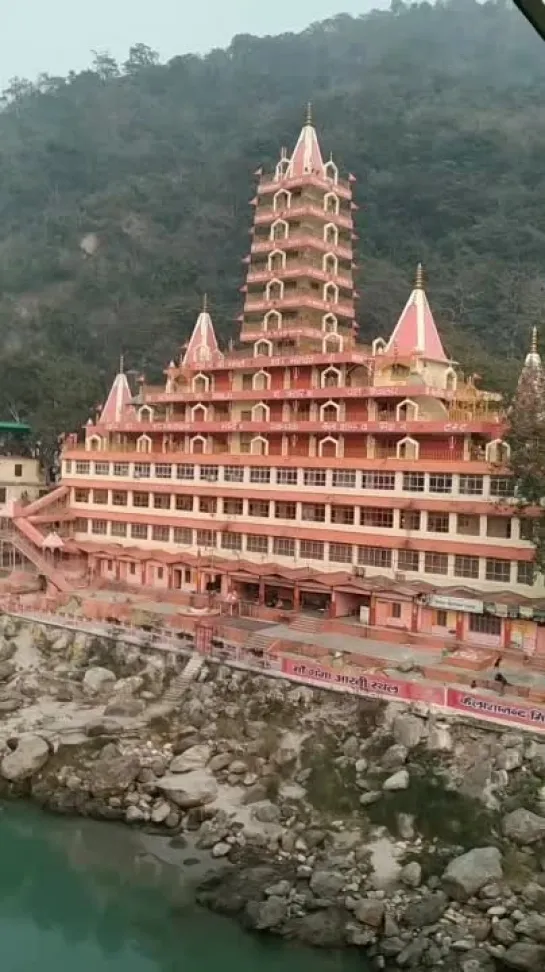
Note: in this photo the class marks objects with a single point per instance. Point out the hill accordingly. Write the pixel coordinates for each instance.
(124, 191)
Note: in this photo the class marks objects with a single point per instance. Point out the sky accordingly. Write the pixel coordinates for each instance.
(55, 36)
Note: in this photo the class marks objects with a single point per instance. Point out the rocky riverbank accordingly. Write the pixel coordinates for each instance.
(340, 822)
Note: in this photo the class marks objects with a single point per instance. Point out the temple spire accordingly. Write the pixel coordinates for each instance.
(203, 344)
(416, 330)
(118, 405)
(308, 120)
(307, 157)
(533, 358)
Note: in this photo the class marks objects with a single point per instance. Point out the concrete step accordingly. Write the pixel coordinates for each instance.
(308, 625)
(180, 683)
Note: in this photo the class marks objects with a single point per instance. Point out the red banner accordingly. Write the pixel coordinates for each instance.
(372, 686)
(487, 707)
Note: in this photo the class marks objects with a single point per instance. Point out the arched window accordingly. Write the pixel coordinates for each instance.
(498, 452)
(259, 446)
(407, 448)
(330, 263)
(272, 320)
(328, 448)
(143, 444)
(407, 411)
(145, 414)
(197, 444)
(331, 293)
(281, 200)
(331, 171)
(330, 378)
(378, 346)
(274, 290)
(261, 381)
(199, 413)
(279, 230)
(263, 349)
(329, 411)
(451, 380)
(329, 324)
(331, 203)
(200, 383)
(260, 412)
(282, 168)
(331, 234)
(276, 261)
(332, 344)
(94, 443)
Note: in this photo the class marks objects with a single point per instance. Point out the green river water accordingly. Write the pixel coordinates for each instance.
(78, 896)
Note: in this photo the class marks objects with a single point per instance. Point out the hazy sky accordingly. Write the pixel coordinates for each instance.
(57, 35)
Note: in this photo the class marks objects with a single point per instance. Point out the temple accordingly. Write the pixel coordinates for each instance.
(303, 473)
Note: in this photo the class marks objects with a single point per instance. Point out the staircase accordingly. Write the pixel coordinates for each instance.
(258, 642)
(28, 550)
(179, 685)
(305, 624)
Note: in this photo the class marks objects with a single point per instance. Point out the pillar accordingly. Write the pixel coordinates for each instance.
(372, 611)
(459, 626)
(414, 617)
(507, 630)
(261, 595)
(296, 598)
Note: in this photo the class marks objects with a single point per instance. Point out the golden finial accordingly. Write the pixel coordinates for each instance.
(309, 113)
(205, 304)
(419, 281)
(121, 364)
(533, 348)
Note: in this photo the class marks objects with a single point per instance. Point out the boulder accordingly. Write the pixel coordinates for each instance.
(426, 911)
(194, 758)
(221, 849)
(193, 789)
(509, 759)
(523, 826)
(267, 914)
(7, 650)
(266, 812)
(525, 956)
(98, 680)
(160, 811)
(7, 670)
(219, 762)
(326, 884)
(125, 707)
(411, 874)
(408, 730)
(31, 755)
(467, 874)
(370, 911)
(532, 926)
(394, 756)
(112, 775)
(399, 781)
(440, 739)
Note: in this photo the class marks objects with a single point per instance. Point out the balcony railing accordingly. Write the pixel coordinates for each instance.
(267, 214)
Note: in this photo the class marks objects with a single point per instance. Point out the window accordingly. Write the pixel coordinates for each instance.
(375, 557)
(257, 544)
(498, 527)
(119, 497)
(100, 496)
(371, 516)
(102, 468)
(525, 572)
(121, 469)
(142, 470)
(466, 566)
(313, 512)
(501, 486)
(260, 474)
(82, 525)
(81, 495)
(233, 474)
(441, 619)
(285, 511)
(231, 541)
(161, 501)
(68, 466)
(344, 478)
(287, 477)
(468, 524)
(233, 507)
(527, 527)
(82, 468)
(140, 499)
(435, 563)
(414, 482)
(119, 529)
(163, 470)
(343, 515)
(99, 526)
(139, 531)
(438, 522)
(395, 611)
(311, 550)
(340, 553)
(183, 535)
(206, 538)
(208, 504)
(485, 624)
(440, 483)
(3, 494)
(314, 477)
(408, 560)
(132, 568)
(471, 485)
(258, 508)
(209, 474)
(160, 571)
(284, 547)
(160, 533)
(378, 480)
(184, 471)
(409, 519)
(184, 504)
(498, 570)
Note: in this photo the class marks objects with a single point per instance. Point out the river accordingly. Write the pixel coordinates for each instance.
(90, 897)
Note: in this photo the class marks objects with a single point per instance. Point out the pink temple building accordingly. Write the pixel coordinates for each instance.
(304, 471)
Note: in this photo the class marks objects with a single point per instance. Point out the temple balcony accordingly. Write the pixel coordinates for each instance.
(296, 241)
(268, 215)
(261, 305)
(297, 270)
(269, 183)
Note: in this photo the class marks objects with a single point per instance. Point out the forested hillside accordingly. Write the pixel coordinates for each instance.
(124, 191)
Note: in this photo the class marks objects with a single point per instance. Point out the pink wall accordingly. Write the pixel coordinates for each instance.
(385, 618)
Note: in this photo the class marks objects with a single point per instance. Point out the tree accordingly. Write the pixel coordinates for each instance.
(140, 56)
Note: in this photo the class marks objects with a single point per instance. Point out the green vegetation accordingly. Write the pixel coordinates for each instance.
(124, 191)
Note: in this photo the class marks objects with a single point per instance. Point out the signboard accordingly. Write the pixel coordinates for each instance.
(488, 707)
(444, 603)
(365, 684)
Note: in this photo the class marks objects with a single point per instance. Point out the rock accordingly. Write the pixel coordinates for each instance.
(194, 758)
(411, 874)
(221, 849)
(523, 826)
(467, 874)
(394, 756)
(7, 670)
(135, 815)
(323, 928)
(160, 812)
(370, 911)
(102, 727)
(504, 932)
(532, 926)
(405, 826)
(10, 705)
(399, 781)
(509, 759)
(326, 884)
(219, 762)
(426, 911)
(113, 775)
(525, 956)
(126, 707)
(538, 759)
(97, 680)
(29, 757)
(270, 913)
(366, 799)
(266, 812)
(7, 650)
(408, 730)
(238, 767)
(192, 789)
(440, 739)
